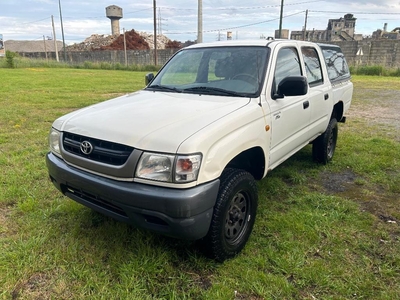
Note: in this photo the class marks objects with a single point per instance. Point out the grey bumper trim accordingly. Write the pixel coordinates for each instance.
(181, 213)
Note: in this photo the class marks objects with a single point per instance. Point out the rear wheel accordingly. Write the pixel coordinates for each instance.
(324, 146)
(234, 215)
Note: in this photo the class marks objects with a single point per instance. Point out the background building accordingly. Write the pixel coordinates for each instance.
(342, 29)
(384, 34)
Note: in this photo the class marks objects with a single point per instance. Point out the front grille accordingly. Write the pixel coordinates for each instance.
(103, 151)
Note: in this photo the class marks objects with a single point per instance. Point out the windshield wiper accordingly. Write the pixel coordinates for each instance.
(212, 90)
(164, 88)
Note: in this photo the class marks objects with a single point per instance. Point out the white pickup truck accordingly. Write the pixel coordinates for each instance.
(181, 157)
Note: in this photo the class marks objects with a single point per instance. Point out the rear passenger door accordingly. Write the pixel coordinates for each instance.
(290, 116)
(319, 91)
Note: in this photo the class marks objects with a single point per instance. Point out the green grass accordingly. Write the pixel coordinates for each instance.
(322, 232)
(374, 71)
(13, 60)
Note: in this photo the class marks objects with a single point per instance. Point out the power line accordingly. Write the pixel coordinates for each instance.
(136, 11)
(37, 21)
(229, 9)
(102, 17)
(241, 8)
(354, 13)
(236, 27)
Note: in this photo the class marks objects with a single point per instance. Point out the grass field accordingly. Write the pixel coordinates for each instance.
(322, 232)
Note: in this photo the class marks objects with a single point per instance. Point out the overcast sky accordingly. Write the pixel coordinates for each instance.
(177, 19)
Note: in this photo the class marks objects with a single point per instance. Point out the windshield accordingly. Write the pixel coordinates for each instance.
(225, 71)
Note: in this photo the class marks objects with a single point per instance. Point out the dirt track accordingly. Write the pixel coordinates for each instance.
(379, 106)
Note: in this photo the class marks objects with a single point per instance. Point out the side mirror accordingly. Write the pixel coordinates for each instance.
(148, 78)
(292, 86)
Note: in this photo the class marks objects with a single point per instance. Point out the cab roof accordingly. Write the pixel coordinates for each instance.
(260, 42)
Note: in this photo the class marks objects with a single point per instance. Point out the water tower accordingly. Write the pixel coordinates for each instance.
(114, 13)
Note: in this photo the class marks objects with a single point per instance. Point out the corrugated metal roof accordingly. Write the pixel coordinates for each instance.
(32, 46)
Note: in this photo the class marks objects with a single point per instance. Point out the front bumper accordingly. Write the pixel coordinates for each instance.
(180, 213)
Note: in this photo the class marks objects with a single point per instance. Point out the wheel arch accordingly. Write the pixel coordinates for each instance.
(251, 160)
(338, 110)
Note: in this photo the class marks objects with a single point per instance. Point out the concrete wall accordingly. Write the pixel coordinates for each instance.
(384, 53)
(135, 57)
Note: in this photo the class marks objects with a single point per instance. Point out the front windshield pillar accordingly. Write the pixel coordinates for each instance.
(202, 74)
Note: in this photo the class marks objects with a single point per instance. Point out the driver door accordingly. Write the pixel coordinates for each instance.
(290, 116)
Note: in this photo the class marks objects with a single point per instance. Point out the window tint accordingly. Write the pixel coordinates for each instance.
(232, 70)
(313, 66)
(220, 65)
(184, 69)
(335, 63)
(287, 64)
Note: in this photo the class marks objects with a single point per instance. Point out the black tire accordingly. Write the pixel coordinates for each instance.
(324, 146)
(234, 215)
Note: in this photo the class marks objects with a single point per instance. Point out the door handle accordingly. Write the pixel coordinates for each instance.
(306, 104)
(326, 96)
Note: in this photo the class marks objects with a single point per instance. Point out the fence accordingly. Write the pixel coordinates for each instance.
(366, 52)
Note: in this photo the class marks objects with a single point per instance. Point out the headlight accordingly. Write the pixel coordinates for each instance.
(54, 141)
(155, 167)
(168, 168)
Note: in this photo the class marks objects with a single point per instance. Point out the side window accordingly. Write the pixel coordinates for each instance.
(335, 63)
(313, 66)
(287, 64)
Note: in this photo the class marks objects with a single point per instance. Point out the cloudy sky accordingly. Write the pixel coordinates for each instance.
(177, 19)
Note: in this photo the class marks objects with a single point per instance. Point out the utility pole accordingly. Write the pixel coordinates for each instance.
(126, 56)
(280, 21)
(159, 21)
(155, 31)
(161, 24)
(45, 47)
(305, 26)
(62, 31)
(55, 39)
(200, 22)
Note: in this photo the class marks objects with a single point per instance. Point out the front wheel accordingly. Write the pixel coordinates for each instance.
(324, 146)
(234, 214)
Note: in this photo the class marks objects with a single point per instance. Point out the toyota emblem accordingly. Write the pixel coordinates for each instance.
(86, 147)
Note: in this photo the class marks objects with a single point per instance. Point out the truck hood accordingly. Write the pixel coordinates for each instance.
(147, 120)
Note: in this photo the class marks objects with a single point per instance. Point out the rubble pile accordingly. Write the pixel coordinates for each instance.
(173, 45)
(95, 41)
(134, 41)
(162, 40)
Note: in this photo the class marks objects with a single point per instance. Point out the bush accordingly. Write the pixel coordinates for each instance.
(395, 73)
(10, 59)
